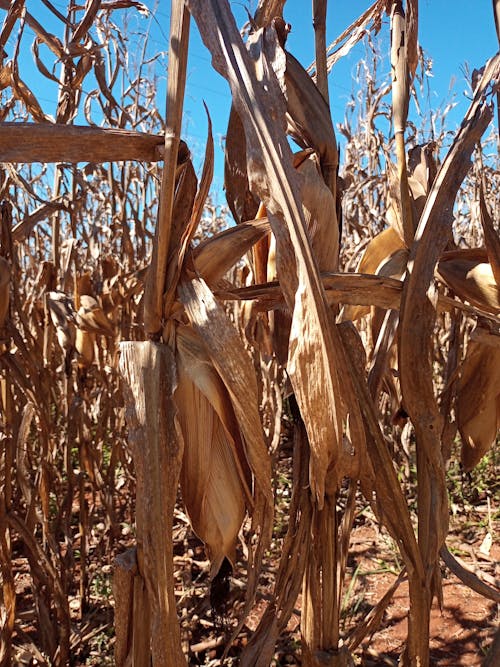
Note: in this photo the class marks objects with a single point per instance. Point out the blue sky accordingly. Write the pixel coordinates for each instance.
(451, 32)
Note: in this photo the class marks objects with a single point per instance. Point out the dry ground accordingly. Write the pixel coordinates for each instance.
(461, 630)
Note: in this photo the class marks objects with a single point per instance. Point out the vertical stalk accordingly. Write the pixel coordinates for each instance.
(400, 101)
(177, 64)
(149, 373)
(6, 445)
(319, 23)
(321, 591)
(6, 462)
(496, 15)
(56, 222)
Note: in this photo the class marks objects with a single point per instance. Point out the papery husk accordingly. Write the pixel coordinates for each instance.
(90, 321)
(91, 317)
(469, 274)
(62, 314)
(491, 237)
(85, 347)
(478, 402)
(217, 254)
(381, 248)
(423, 169)
(318, 205)
(215, 478)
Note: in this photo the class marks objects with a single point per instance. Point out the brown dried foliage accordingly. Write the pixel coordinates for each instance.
(104, 254)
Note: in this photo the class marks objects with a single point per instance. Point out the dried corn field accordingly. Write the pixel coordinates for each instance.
(203, 416)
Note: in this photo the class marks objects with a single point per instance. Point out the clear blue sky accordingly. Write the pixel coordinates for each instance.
(452, 33)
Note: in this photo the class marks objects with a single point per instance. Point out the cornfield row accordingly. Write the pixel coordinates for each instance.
(140, 356)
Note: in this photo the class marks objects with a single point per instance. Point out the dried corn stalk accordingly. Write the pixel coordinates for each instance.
(4, 290)
(418, 316)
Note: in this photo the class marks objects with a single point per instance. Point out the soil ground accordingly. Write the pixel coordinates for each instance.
(461, 630)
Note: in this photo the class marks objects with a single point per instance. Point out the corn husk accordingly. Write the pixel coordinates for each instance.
(215, 477)
(214, 256)
(379, 251)
(62, 314)
(491, 238)
(85, 347)
(90, 320)
(478, 402)
(470, 275)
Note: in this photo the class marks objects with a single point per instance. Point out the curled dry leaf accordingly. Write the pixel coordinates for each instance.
(309, 120)
(217, 254)
(242, 203)
(355, 32)
(469, 274)
(9, 77)
(380, 251)
(491, 238)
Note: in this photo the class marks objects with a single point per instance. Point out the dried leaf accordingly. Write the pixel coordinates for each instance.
(50, 142)
(478, 402)
(491, 238)
(14, 12)
(91, 9)
(50, 40)
(311, 343)
(412, 36)
(242, 203)
(417, 321)
(185, 228)
(468, 273)
(355, 32)
(176, 83)
(214, 256)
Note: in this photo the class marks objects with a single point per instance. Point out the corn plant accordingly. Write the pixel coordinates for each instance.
(136, 362)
